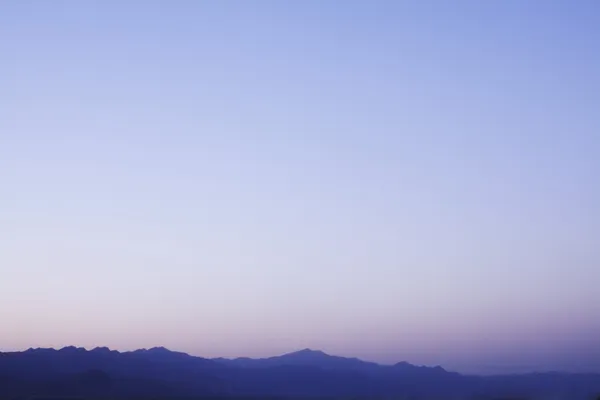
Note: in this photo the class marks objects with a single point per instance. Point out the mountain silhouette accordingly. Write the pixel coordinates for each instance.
(159, 372)
(306, 357)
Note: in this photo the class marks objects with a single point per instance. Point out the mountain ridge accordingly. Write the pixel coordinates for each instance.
(158, 371)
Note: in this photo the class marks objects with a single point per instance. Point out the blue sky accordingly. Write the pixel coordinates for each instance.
(413, 180)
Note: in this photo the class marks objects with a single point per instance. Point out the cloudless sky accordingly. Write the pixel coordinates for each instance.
(393, 180)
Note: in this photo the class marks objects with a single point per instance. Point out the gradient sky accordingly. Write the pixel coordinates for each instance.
(394, 180)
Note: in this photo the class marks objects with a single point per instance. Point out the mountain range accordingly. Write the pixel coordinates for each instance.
(159, 372)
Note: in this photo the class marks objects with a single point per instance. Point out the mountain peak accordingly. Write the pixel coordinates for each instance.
(161, 352)
(154, 350)
(101, 350)
(72, 349)
(159, 349)
(309, 351)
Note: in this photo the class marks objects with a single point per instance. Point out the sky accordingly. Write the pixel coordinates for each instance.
(391, 180)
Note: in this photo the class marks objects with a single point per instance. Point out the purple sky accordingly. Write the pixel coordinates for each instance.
(394, 180)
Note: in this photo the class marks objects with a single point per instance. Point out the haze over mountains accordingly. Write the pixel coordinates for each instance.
(161, 372)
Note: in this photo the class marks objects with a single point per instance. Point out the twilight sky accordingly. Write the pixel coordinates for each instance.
(393, 180)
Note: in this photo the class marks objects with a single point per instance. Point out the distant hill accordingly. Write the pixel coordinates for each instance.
(306, 357)
(159, 372)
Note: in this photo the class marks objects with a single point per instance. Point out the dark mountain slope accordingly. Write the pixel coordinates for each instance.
(306, 357)
(159, 372)
(62, 371)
